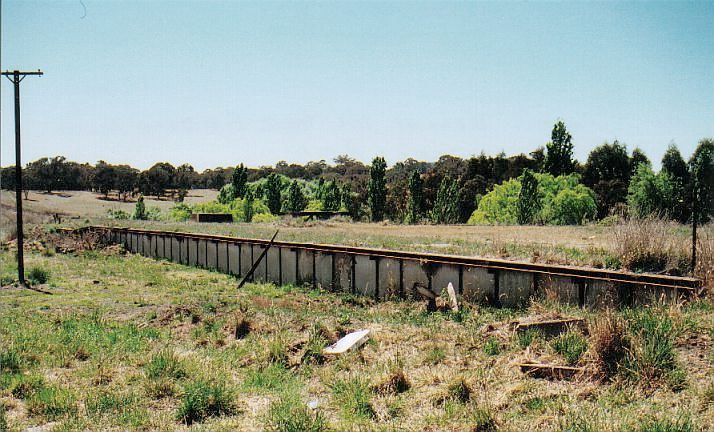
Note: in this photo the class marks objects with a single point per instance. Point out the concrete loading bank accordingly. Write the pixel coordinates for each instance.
(381, 274)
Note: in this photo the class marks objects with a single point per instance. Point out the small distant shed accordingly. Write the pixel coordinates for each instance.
(212, 217)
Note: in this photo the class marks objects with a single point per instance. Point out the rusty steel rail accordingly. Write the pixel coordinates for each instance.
(585, 273)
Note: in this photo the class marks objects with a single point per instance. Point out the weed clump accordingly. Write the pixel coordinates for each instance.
(483, 420)
(38, 276)
(457, 391)
(290, 415)
(666, 425)
(571, 345)
(492, 347)
(609, 344)
(165, 364)
(203, 399)
(646, 245)
(394, 383)
(651, 357)
(52, 403)
(10, 361)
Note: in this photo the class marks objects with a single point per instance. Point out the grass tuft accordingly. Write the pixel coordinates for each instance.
(492, 346)
(10, 361)
(608, 340)
(291, 415)
(571, 345)
(353, 396)
(651, 358)
(203, 399)
(38, 275)
(666, 425)
(165, 364)
(52, 403)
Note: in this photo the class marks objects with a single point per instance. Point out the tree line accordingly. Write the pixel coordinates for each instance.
(449, 190)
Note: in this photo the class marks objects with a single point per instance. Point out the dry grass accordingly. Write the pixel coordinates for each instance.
(143, 343)
(646, 245)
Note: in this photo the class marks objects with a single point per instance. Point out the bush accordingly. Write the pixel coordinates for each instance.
(291, 415)
(563, 201)
(492, 347)
(180, 212)
(38, 276)
(651, 193)
(203, 399)
(227, 194)
(139, 209)
(117, 214)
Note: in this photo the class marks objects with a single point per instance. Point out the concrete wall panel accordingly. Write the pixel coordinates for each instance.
(389, 278)
(273, 265)
(343, 273)
(515, 288)
(323, 271)
(479, 284)
(305, 270)
(234, 259)
(260, 273)
(192, 255)
(146, 245)
(201, 260)
(365, 276)
(559, 288)
(414, 273)
(246, 258)
(442, 276)
(222, 264)
(212, 254)
(288, 259)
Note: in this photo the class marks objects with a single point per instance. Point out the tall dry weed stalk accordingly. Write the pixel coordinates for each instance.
(608, 342)
(650, 244)
(705, 256)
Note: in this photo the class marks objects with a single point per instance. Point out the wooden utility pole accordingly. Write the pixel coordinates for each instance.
(15, 77)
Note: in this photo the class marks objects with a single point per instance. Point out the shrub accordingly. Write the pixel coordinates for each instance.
(528, 198)
(227, 194)
(296, 198)
(139, 209)
(273, 188)
(563, 201)
(291, 415)
(571, 345)
(331, 199)
(38, 275)
(180, 212)
(203, 399)
(446, 209)
(651, 193)
(117, 214)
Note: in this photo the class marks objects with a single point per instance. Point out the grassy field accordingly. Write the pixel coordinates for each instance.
(128, 342)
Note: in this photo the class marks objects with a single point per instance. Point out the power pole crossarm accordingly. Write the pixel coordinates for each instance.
(15, 77)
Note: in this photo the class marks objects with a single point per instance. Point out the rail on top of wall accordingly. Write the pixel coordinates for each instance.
(358, 269)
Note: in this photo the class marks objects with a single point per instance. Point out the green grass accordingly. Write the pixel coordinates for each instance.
(165, 364)
(52, 403)
(38, 276)
(652, 357)
(203, 399)
(353, 396)
(571, 345)
(492, 346)
(290, 414)
(151, 346)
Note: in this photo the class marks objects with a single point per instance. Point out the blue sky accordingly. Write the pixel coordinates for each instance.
(219, 83)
